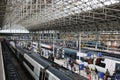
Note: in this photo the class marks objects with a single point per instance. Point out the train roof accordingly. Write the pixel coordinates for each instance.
(52, 66)
(22, 50)
(112, 58)
(93, 51)
(105, 53)
(59, 71)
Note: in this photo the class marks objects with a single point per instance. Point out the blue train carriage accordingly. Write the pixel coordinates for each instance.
(101, 63)
(93, 44)
(70, 53)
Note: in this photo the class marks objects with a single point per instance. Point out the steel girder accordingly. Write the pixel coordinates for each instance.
(67, 15)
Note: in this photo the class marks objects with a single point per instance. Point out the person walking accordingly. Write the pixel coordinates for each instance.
(93, 74)
(107, 74)
(96, 72)
(87, 70)
(89, 76)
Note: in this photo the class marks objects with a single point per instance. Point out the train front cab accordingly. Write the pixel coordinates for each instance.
(112, 65)
(102, 64)
(92, 62)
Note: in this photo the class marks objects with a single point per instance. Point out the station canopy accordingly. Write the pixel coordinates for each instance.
(63, 15)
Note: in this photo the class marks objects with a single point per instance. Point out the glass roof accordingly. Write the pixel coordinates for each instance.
(39, 13)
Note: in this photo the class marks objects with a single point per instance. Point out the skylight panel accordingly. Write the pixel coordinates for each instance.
(107, 3)
(115, 1)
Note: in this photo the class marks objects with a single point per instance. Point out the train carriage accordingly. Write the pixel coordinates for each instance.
(43, 69)
(100, 63)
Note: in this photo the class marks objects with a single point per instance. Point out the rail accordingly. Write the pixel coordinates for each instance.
(10, 70)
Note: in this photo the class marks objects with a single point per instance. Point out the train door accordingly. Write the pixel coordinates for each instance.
(117, 67)
(40, 76)
(43, 75)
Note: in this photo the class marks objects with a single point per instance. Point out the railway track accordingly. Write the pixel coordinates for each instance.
(13, 69)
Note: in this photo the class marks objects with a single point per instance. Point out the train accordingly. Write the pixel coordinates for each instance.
(90, 58)
(101, 63)
(62, 52)
(41, 68)
(94, 44)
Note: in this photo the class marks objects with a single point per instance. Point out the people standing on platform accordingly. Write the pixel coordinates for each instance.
(71, 65)
(63, 52)
(87, 70)
(42, 52)
(93, 74)
(107, 74)
(69, 60)
(52, 57)
(74, 69)
(46, 53)
(89, 76)
(67, 63)
(64, 63)
(96, 72)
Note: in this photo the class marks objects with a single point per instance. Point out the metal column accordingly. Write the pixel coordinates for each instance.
(53, 42)
(79, 38)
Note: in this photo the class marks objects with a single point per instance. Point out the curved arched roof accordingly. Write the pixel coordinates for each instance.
(66, 15)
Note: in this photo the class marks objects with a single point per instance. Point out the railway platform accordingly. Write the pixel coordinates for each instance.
(2, 72)
(92, 75)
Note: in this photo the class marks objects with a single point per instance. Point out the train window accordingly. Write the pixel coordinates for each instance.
(46, 76)
(43, 75)
(30, 66)
(40, 77)
(117, 68)
(99, 62)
